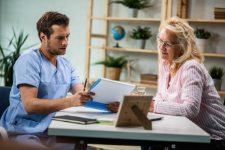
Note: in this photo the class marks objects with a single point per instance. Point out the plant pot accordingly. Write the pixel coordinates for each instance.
(113, 73)
(140, 43)
(133, 12)
(201, 43)
(217, 84)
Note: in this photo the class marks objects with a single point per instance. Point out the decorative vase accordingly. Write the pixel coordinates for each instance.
(201, 43)
(217, 84)
(133, 12)
(140, 43)
(113, 73)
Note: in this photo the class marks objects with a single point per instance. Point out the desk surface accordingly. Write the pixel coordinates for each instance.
(170, 128)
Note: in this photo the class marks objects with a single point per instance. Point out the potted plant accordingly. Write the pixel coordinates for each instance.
(217, 74)
(141, 35)
(8, 57)
(114, 66)
(133, 5)
(202, 37)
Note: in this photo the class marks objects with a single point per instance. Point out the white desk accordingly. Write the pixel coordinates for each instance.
(170, 129)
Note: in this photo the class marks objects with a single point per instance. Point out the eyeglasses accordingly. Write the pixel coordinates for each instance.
(167, 45)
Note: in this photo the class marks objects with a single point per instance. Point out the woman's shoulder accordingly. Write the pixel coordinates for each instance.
(193, 63)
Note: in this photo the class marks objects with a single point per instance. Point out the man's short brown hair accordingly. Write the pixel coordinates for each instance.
(48, 19)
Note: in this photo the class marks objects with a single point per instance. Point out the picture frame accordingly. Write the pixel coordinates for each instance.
(133, 111)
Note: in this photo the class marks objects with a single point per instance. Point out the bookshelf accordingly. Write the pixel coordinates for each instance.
(166, 12)
(208, 55)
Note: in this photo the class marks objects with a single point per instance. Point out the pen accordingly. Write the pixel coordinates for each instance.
(85, 84)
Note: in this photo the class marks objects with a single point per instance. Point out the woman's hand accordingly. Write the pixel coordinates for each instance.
(113, 107)
(151, 109)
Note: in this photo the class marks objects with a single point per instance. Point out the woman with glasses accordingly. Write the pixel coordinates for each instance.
(185, 86)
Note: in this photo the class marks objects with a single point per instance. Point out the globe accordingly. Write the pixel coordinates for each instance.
(117, 32)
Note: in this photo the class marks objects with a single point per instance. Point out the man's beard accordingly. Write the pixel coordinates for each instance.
(52, 50)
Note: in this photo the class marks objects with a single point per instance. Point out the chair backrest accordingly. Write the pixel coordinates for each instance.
(3, 134)
(4, 98)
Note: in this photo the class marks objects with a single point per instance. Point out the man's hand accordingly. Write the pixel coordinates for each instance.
(80, 98)
(113, 107)
(151, 109)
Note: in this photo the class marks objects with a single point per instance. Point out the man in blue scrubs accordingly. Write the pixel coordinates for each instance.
(41, 82)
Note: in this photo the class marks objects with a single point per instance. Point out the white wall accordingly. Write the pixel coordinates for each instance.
(23, 14)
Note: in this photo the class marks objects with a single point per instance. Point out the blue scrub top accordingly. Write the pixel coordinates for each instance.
(33, 68)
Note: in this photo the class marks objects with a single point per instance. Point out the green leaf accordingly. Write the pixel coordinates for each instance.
(202, 33)
(14, 33)
(1, 50)
(141, 33)
(10, 41)
(137, 4)
(113, 62)
(7, 62)
(216, 72)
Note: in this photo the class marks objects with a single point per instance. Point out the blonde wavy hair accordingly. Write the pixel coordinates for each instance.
(186, 39)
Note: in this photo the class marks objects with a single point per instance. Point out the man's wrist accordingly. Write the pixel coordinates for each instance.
(69, 102)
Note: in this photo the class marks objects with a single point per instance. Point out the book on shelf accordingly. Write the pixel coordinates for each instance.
(219, 13)
(149, 81)
(219, 16)
(217, 9)
(149, 76)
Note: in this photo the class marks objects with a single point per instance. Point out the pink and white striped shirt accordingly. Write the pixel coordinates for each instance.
(191, 94)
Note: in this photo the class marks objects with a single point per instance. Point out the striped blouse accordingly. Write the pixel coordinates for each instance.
(191, 94)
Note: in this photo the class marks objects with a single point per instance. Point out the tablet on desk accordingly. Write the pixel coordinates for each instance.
(154, 117)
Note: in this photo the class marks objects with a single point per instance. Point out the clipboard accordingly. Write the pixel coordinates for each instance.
(107, 92)
(133, 111)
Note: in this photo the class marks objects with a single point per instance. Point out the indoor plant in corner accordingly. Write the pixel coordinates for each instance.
(113, 66)
(133, 5)
(202, 37)
(217, 74)
(8, 57)
(141, 35)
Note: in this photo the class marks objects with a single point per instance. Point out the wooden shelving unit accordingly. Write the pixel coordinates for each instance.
(166, 12)
(126, 19)
(214, 55)
(126, 49)
(206, 20)
(146, 51)
(158, 19)
(221, 92)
